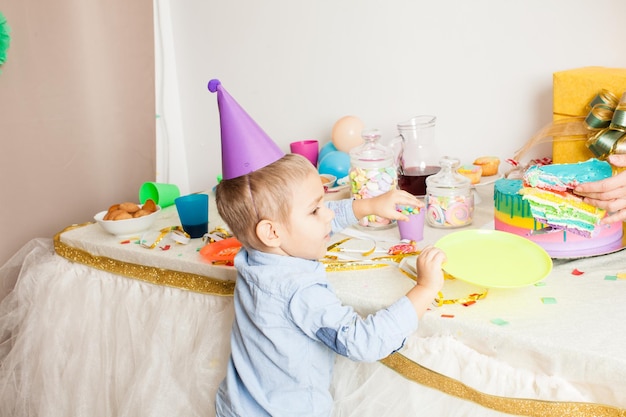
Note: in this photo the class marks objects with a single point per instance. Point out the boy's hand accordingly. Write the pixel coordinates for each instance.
(429, 279)
(429, 272)
(385, 205)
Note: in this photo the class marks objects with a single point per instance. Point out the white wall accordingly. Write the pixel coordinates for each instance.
(483, 67)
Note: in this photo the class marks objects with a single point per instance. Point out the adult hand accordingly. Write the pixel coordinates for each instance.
(609, 193)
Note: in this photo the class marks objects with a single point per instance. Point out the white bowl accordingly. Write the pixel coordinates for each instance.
(328, 181)
(129, 226)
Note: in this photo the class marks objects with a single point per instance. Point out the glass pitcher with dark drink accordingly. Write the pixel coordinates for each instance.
(417, 155)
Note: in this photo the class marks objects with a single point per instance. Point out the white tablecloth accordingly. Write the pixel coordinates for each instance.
(78, 340)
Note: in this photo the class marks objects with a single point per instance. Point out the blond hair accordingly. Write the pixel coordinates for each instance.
(264, 194)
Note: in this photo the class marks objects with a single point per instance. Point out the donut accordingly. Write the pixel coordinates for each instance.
(473, 172)
(489, 164)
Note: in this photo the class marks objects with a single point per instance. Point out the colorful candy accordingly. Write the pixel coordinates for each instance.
(454, 211)
(408, 210)
(367, 183)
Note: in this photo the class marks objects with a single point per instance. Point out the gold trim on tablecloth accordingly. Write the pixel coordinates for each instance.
(396, 361)
(516, 406)
(159, 276)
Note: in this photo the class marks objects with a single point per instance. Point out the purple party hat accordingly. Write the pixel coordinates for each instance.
(245, 146)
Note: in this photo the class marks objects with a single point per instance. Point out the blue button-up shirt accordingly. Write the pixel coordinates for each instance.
(288, 326)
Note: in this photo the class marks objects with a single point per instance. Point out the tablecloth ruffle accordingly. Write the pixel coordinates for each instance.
(89, 343)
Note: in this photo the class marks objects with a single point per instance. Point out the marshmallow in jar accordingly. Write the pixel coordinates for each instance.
(449, 197)
(372, 173)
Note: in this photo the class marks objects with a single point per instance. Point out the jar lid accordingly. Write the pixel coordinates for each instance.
(447, 177)
(372, 149)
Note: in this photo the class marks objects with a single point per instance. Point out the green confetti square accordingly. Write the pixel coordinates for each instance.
(499, 322)
(610, 277)
(540, 284)
(548, 300)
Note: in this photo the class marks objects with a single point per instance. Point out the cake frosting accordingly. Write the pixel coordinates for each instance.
(565, 177)
(513, 214)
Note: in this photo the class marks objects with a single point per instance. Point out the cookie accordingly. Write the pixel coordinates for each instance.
(149, 206)
(141, 213)
(122, 215)
(129, 207)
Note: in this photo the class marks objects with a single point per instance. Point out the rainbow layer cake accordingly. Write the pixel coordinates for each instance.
(514, 214)
(548, 189)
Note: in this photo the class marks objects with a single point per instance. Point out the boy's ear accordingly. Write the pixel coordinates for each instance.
(268, 233)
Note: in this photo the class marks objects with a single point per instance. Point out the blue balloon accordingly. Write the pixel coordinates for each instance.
(335, 163)
(324, 150)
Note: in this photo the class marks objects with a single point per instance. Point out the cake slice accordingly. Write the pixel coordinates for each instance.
(565, 177)
(548, 190)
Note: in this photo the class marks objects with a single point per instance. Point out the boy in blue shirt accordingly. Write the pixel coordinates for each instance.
(289, 324)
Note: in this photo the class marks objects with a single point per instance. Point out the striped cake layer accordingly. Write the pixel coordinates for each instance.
(563, 211)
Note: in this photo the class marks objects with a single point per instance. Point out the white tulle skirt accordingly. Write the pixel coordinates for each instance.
(76, 341)
(81, 342)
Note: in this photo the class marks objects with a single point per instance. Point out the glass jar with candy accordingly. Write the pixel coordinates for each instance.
(449, 197)
(372, 173)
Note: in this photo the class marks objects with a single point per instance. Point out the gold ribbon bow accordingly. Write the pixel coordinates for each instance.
(607, 124)
(604, 127)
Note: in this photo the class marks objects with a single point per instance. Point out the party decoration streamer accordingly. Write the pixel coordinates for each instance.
(5, 38)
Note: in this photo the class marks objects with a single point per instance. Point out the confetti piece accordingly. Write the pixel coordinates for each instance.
(124, 242)
(621, 275)
(166, 247)
(469, 303)
(610, 277)
(499, 322)
(448, 316)
(540, 284)
(403, 248)
(548, 300)
(577, 272)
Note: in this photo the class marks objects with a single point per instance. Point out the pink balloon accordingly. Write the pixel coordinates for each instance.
(346, 133)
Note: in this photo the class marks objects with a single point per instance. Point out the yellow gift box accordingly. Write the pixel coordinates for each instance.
(573, 90)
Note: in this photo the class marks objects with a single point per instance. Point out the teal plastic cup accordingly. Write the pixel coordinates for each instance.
(161, 193)
(193, 211)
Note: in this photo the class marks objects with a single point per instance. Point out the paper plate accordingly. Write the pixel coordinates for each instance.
(489, 180)
(494, 259)
(221, 251)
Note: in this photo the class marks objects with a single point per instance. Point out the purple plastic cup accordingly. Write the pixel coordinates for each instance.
(413, 229)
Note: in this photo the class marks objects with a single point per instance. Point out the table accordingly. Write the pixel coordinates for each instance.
(95, 325)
